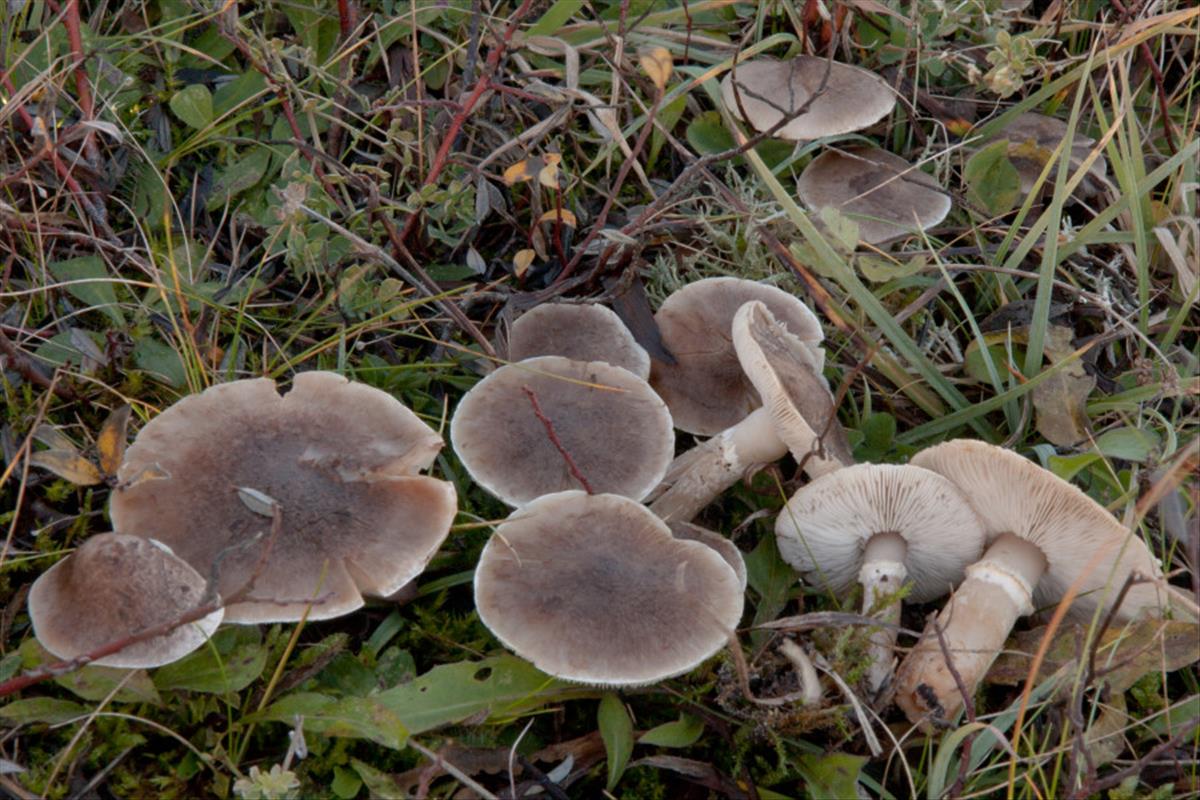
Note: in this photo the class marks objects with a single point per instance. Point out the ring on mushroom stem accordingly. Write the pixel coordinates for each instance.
(594, 588)
(340, 458)
(797, 404)
(882, 525)
(1045, 536)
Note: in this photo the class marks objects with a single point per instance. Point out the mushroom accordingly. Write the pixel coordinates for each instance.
(883, 193)
(593, 588)
(115, 586)
(1032, 139)
(706, 389)
(589, 332)
(341, 460)
(881, 525)
(1044, 537)
(767, 91)
(615, 430)
(798, 406)
(727, 549)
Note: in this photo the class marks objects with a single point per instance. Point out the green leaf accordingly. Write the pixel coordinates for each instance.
(707, 135)
(616, 729)
(42, 709)
(494, 687)
(161, 361)
(992, 181)
(88, 280)
(379, 784)
(1128, 444)
(239, 176)
(69, 346)
(346, 783)
(832, 775)
(194, 105)
(555, 17)
(232, 660)
(771, 579)
(358, 718)
(683, 732)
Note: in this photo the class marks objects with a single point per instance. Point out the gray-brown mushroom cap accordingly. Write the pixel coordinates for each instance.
(1011, 494)
(581, 332)
(826, 527)
(883, 193)
(340, 458)
(615, 428)
(768, 90)
(595, 589)
(722, 544)
(114, 586)
(1032, 138)
(706, 389)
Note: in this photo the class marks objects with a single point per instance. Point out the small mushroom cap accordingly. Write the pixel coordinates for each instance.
(1031, 140)
(824, 528)
(579, 332)
(595, 589)
(1011, 494)
(115, 586)
(726, 548)
(706, 389)
(883, 193)
(615, 428)
(768, 90)
(788, 377)
(340, 458)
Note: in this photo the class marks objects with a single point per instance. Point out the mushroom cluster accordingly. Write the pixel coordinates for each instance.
(269, 507)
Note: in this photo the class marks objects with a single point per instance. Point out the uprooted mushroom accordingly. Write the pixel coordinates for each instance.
(797, 415)
(884, 526)
(340, 459)
(1046, 539)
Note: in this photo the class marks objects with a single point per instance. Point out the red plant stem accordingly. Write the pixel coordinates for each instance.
(554, 440)
(347, 18)
(468, 106)
(86, 104)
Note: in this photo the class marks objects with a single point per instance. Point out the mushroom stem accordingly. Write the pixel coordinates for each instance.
(974, 625)
(883, 572)
(700, 475)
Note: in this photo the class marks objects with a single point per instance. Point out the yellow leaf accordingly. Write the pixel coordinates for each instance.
(69, 465)
(517, 173)
(559, 215)
(111, 442)
(548, 175)
(656, 62)
(521, 262)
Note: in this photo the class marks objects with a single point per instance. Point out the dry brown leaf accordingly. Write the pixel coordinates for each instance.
(1061, 401)
(657, 63)
(522, 260)
(110, 444)
(68, 465)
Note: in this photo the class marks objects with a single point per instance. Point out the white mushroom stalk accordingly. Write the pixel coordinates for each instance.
(1046, 537)
(882, 525)
(796, 404)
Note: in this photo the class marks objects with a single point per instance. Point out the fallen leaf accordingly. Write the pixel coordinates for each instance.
(656, 62)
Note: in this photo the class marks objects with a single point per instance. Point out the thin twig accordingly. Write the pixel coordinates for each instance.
(554, 440)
